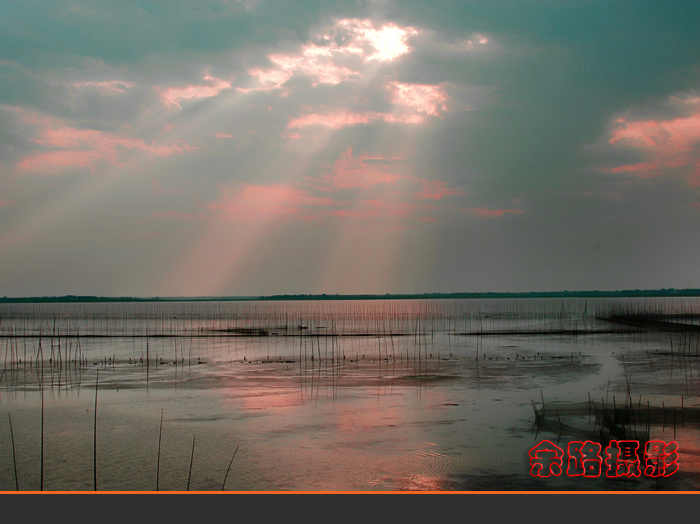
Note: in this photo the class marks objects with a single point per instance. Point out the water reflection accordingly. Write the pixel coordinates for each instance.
(355, 396)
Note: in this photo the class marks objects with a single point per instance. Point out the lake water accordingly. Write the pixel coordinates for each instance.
(330, 395)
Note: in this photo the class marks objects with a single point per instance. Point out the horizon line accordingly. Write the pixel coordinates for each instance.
(663, 292)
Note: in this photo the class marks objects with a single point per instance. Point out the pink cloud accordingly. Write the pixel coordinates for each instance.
(417, 100)
(381, 209)
(349, 172)
(268, 79)
(174, 95)
(423, 98)
(67, 146)
(372, 186)
(320, 69)
(668, 136)
(342, 119)
(334, 55)
(315, 63)
(384, 44)
(652, 168)
(257, 201)
(4, 203)
(666, 144)
(379, 175)
(53, 162)
(483, 212)
(436, 189)
(112, 87)
(475, 41)
(383, 198)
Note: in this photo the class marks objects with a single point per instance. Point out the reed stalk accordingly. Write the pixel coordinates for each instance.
(189, 476)
(223, 486)
(14, 457)
(41, 480)
(94, 437)
(160, 435)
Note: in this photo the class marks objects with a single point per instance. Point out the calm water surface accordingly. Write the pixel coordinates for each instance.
(326, 395)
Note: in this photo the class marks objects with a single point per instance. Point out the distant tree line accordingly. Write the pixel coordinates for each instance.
(88, 298)
(666, 292)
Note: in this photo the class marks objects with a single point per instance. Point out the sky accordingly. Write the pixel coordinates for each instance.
(254, 147)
